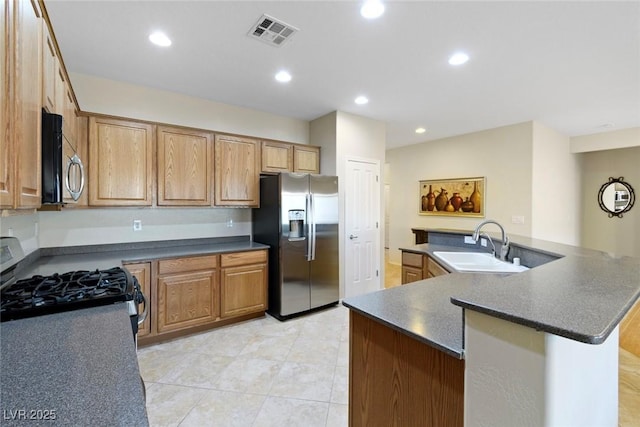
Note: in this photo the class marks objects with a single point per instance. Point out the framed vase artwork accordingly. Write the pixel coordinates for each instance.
(462, 197)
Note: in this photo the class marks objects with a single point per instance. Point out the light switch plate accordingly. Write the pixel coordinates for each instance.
(469, 240)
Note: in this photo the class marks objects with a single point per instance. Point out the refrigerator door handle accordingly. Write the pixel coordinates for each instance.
(309, 233)
(313, 228)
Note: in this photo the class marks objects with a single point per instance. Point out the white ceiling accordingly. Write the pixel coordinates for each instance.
(574, 66)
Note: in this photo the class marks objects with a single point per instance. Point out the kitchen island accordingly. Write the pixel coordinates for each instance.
(73, 368)
(536, 348)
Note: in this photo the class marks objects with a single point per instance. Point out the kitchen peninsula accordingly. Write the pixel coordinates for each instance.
(534, 348)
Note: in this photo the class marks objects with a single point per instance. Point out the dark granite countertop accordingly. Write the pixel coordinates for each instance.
(73, 368)
(573, 292)
(60, 260)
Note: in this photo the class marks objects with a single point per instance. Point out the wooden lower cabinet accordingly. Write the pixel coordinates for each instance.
(395, 380)
(433, 268)
(196, 293)
(142, 272)
(630, 330)
(188, 293)
(243, 283)
(419, 266)
(412, 267)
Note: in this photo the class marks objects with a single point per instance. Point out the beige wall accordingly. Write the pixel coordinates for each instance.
(104, 96)
(555, 192)
(115, 225)
(502, 155)
(322, 132)
(625, 138)
(619, 236)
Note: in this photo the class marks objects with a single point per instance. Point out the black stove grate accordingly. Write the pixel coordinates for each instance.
(40, 295)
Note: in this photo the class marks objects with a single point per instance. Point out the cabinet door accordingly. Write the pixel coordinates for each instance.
(306, 159)
(28, 103)
(277, 157)
(237, 171)
(120, 163)
(243, 290)
(184, 167)
(49, 70)
(142, 272)
(187, 299)
(433, 268)
(7, 166)
(70, 114)
(411, 274)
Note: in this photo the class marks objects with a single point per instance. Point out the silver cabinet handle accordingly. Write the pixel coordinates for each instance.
(351, 237)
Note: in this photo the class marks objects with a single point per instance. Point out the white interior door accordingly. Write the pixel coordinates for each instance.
(362, 227)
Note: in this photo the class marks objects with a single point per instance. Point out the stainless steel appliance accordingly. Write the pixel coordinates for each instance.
(73, 290)
(60, 172)
(298, 219)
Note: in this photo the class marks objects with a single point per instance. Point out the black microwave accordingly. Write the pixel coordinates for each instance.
(60, 172)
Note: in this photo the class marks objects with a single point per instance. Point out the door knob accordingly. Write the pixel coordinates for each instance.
(351, 237)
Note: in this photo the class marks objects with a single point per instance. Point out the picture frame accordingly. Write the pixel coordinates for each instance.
(460, 197)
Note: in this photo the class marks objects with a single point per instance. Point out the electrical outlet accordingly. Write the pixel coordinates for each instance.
(483, 242)
(469, 240)
(137, 225)
(10, 232)
(517, 219)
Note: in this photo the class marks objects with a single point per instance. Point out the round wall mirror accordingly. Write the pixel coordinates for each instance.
(616, 197)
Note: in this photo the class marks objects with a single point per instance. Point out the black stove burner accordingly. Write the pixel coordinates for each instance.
(68, 291)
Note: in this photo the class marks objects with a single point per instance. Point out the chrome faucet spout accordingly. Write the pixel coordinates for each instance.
(504, 249)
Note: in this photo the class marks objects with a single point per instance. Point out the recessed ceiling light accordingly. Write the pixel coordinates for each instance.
(421, 130)
(361, 100)
(160, 39)
(372, 9)
(458, 58)
(283, 76)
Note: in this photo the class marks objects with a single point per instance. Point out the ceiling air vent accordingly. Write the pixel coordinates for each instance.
(272, 31)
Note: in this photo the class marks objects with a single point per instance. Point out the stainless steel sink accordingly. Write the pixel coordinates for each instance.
(477, 261)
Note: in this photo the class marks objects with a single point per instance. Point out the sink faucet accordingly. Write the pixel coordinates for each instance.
(504, 249)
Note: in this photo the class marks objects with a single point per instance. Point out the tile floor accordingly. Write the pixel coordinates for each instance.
(265, 372)
(261, 372)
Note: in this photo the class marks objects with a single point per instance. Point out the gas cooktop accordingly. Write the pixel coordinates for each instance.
(39, 295)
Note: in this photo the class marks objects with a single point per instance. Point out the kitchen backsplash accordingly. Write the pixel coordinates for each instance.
(76, 227)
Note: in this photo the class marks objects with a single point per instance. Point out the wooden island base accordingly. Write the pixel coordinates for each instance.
(395, 380)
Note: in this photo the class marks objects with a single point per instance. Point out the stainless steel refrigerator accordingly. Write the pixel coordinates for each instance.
(298, 219)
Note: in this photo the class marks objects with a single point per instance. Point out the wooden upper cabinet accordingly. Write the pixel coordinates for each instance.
(237, 171)
(184, 167)
(70, 117)
(277, 157)
(7, 166)
(49, 71)
(120, 162)
(306, 158)
(27, 104)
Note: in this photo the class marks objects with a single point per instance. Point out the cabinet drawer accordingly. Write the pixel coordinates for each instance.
(179, 265)
(434, 268)
(414, 260)
(243, 258)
